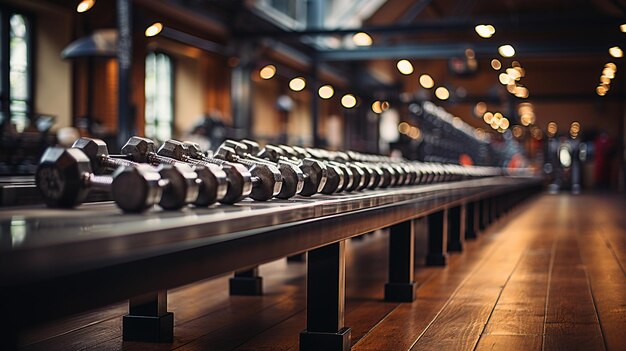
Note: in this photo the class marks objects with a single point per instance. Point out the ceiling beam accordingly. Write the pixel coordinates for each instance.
(527, 23)
(448, 50)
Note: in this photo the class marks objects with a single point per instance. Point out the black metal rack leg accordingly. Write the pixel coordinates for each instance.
(401, 287)
(437, 238)
(248, 283)
(325, 300)
(148, 320)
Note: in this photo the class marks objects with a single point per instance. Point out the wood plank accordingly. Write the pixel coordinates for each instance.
(509, 343)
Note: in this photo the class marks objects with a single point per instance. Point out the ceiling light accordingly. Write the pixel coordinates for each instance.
(362, 39)
(297, 84)
(85, 5)
(154, 29)
(485, 30)
(622, 27)
(488, 117)
(480, 108)
(414, 133)
(506, 51)
(348, 101)
(403, 128)
(405, 67)
(552, 129)
(326, 91)
(376, 107)
(267, 72)
(504, 78)
(504, 123)
(427, 81)
(496, 64)
(442, 93)
(616, 52)
(609, 73)
(601, 90)
(513, 73)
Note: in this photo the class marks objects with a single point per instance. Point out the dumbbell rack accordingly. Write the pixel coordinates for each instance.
(55, 263)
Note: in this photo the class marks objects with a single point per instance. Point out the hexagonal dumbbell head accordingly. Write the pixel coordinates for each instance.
(239, 148)
(173, 149)
(182, 188)
(139, 148)
(271, 152)
(226, 153)
(213, 184)
(95, 149)
(136, 188)
(270, 182)
(317, 175)
(193, 150)
(60, 177)
(253, 147)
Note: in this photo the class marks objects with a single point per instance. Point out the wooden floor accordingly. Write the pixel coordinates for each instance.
(548, 276)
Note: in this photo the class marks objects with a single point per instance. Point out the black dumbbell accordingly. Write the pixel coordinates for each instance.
(64, 179)
(316, 172)
(348, 177)
(182, 186)
(358, 179)
(342, 177)
(266, 179)
(238, 177)
(292, 176)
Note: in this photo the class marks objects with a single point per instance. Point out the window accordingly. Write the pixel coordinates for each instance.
(19, 72)
(159, 96)
(16, 74)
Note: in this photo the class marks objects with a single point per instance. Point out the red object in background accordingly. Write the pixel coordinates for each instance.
(603, 148)
(516, 161)
(465, 160)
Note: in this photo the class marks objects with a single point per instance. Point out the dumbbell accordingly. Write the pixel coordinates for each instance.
(238, 178)
(364, 173)
(317, 176)
(64, 179)
(292, 176)
(348, 179)
(402, 173)
(354, 174)
(182, 184)
(267, 181)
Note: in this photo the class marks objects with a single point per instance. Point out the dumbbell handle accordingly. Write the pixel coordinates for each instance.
(97, 182)
(112, 162)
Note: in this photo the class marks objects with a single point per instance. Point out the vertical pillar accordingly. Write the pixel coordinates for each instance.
(401, 287)
(456, 228)
(437, 238)
(471, 230)
(148, 320)
(124, 58)
(325, 329)
(242, 91)
(247, 282)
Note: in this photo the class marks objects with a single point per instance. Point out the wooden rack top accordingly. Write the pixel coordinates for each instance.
(83, 251)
